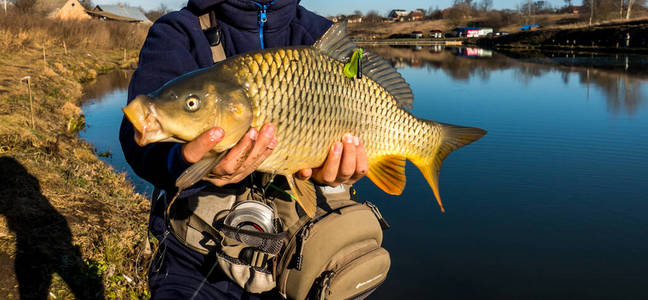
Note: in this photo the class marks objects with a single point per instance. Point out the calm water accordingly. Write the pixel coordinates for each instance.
(551, 204)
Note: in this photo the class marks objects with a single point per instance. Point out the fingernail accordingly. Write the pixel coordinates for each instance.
(268, 130)
(356, 141)
(253, 134)
(215, 134)
(273, 143)
(348, 138)
(337, 148)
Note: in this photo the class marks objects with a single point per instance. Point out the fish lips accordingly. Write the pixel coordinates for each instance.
(141, 113)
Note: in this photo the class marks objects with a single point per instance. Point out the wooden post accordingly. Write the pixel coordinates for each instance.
(31, 102)
(5, 7)
(124, 61)
(44, 60)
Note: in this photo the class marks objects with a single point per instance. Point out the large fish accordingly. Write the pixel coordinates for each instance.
(303, 91)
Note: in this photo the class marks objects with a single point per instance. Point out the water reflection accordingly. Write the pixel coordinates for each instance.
(104, 99)
(617, 77)
(106, 83)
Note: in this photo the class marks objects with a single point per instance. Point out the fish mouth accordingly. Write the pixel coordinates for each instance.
(141, 113)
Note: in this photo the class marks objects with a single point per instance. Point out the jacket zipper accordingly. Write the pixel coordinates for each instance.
(263, 18)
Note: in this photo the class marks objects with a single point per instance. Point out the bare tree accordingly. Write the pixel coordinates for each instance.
(485, 5)
(372, 17)
(87, 4)
(630, 3)
(27, 6)
(157, 13)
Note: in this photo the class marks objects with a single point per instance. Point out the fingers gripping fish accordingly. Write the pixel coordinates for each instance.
(301, 90)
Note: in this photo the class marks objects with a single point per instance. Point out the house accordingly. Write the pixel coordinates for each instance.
(120, 12)
(467, 32)
(416, 15)
(484, 31)
(62, 9)
(397, 14)
(354, 19)
(472, 31)
(436, 34)
(417, 34)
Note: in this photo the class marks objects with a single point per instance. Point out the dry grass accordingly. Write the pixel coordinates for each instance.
(21, 31)
(104, 220)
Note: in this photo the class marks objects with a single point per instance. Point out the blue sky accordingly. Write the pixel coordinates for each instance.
(335, 7)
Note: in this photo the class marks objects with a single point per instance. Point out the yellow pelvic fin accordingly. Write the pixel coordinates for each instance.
(388, 173)
(453, 138)
(304, 193)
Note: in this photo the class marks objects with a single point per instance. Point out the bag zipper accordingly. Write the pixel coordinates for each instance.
(383, 223)
(301, 239)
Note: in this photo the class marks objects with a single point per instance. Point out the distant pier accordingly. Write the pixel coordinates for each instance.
(409, 42)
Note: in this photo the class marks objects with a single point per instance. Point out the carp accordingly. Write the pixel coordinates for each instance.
(304, 92)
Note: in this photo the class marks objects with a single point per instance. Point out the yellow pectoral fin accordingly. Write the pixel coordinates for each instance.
(388, 173)
(304, 193)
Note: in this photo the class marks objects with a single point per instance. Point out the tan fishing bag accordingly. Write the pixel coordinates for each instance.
(336, 255)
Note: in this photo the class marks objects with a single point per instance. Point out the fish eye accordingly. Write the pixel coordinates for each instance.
(192, 103)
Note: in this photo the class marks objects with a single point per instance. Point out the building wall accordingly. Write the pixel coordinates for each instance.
(71, 10)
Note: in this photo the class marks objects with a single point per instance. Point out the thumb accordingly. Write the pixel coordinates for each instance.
(196, 149)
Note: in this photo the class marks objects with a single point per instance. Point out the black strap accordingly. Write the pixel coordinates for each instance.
(213, 33)
(267, 242)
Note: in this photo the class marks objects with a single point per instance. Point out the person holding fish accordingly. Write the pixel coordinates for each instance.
(260, 151)
(176, 45)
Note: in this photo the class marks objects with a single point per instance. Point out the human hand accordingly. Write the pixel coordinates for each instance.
(241, 160)
(346, 163)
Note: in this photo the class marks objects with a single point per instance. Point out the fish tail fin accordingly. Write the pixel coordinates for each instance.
(452, 138)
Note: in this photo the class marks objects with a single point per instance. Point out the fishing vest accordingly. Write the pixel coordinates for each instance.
(337, 254)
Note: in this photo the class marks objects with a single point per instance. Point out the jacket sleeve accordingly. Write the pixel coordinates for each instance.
(166, 54)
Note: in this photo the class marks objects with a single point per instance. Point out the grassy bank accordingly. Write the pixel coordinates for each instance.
(69, 224)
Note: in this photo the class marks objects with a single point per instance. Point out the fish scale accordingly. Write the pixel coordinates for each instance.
(323, 106)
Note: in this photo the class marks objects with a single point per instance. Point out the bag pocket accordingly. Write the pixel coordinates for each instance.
(251, 273)
(354, 279)
(344, 242)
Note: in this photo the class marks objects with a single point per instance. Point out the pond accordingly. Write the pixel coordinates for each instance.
(551, 203)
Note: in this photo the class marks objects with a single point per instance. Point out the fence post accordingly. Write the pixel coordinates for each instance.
(44, 60)
(31, 102)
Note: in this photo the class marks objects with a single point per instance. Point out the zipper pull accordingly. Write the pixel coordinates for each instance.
(303, 236)
(324, 286)
(383, 223)
(263, 17)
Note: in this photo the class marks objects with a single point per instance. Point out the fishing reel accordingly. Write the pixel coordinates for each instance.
(251, 216)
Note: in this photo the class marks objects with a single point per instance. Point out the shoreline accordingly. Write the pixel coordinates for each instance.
(99, 237)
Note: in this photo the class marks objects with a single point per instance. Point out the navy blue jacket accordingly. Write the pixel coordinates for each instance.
(176, 45)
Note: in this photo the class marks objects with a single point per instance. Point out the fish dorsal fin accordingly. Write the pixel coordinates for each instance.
(336, 44)
(383, 73)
